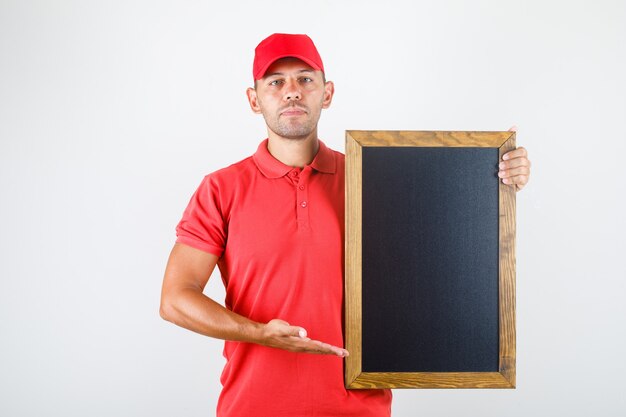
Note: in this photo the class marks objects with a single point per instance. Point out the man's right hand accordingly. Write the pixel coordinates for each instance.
(280, 334)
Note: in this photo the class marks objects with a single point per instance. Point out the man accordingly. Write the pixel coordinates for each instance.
(273, 223)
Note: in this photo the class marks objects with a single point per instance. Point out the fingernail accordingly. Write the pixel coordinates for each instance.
(302, 333)
(506, 181)
(502, 165)
(500, 173)
(505, 156)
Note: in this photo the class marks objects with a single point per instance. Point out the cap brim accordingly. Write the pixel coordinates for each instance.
(262, 70)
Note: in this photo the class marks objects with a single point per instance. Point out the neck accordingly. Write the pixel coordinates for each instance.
(293, 152)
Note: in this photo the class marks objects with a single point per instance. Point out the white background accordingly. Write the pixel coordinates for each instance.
(111, 112)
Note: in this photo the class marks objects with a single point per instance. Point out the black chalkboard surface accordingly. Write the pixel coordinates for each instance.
(430, 259)
(432, 306)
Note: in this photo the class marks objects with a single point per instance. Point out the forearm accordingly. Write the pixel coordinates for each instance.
(191, 309)
(184, 304)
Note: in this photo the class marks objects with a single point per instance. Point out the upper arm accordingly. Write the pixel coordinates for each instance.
(187, 268)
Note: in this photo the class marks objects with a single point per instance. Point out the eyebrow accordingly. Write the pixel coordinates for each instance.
(282, 73)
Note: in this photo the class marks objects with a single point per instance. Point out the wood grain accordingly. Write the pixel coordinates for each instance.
(507, 272)
(422, 138)
(353, 259)
(369, 380)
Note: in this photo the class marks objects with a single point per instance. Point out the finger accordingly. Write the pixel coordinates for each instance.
(513, 129)
(508, 173)
(285, 329)
(326, 348)
(516, 153)
(519, 180)
(321, 346)
(514, 163)
(296, 331)
(518, 187)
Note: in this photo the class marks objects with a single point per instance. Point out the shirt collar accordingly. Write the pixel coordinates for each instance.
(271, 167)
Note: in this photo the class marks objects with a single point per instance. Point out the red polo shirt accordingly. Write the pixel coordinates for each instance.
(278, 231)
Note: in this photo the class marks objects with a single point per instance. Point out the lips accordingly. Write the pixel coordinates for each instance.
(293, 111)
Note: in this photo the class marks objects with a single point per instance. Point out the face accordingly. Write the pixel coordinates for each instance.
(291, 97)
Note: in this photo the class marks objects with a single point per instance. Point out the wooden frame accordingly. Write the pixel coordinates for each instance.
(354, 377)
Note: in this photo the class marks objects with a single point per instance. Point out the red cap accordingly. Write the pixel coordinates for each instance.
(281, 45)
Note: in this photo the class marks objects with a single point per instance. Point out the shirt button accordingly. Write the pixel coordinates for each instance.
(303, 204)
(294, 173)
(301, 187)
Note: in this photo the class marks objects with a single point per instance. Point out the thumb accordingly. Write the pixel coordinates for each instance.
(286, 329)
(299, 332)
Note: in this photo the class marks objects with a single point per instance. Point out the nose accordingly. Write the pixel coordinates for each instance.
(292, 90)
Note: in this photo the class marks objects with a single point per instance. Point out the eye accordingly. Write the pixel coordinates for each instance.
(275, 82)
(306, 79)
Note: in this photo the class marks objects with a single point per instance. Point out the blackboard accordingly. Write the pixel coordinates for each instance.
(429, 260)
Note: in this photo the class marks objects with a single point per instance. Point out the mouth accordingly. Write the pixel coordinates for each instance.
(293, 111)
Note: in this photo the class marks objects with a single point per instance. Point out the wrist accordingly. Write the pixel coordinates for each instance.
(256, 333)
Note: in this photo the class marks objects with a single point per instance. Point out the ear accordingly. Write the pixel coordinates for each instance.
(329, 91)
(253, 99)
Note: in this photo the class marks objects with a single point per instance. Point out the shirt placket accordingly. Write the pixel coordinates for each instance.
(301, 181)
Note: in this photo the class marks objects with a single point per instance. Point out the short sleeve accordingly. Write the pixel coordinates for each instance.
(202, 225)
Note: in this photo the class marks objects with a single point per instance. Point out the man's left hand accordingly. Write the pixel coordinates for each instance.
(514, 169)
